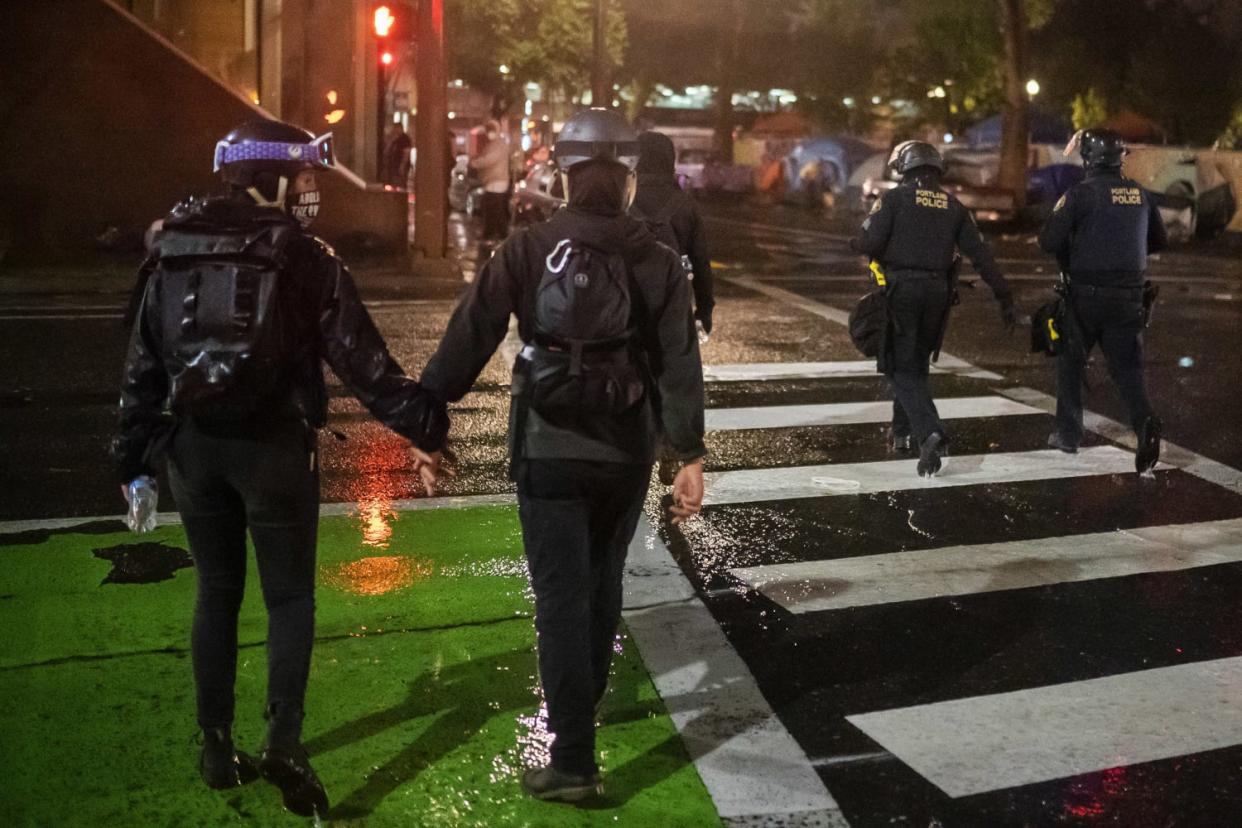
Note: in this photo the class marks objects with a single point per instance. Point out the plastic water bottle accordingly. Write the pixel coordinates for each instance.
(703, 335)
(143, 495)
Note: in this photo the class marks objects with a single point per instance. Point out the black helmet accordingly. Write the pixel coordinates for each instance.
(1101, 148)
(596, 133)
(909, 155)
(259, 153)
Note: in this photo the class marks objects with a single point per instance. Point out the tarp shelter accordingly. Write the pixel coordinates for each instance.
(1046, 128)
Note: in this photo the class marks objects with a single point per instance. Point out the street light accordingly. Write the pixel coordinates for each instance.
(1032, 87)
(384, 20)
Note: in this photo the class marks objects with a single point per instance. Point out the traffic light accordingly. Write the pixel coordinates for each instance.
(384, 21)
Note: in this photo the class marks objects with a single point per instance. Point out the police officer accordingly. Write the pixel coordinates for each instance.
(1101, 232)
(661, 200)
(224, 374)
(913, 233)
(582, 475)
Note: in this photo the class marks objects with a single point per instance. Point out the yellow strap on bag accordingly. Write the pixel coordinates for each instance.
(1052, 331)
(878, 274)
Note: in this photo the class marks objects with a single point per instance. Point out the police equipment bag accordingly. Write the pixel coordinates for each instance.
(224, 336)
(869, 323)
(584, 361)
(1048, 328)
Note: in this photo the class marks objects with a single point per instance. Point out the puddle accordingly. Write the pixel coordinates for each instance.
(143, 563)
(377, 575)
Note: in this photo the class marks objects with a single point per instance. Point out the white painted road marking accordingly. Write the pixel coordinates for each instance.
(790, 483)
(765, 371)
(986, 743)
(743, 753)
(816, 586)
(853, 413)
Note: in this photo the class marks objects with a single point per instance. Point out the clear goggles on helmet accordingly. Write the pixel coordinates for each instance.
(318, 153)
(569, 153)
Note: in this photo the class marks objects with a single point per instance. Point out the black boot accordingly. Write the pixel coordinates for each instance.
(220, 765)
(930, 452)
(288, 768)
(1148, 455)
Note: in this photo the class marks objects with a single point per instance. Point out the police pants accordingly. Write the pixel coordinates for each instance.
(917, 306)
(578, 518)
(1116, 325)
(266, 482)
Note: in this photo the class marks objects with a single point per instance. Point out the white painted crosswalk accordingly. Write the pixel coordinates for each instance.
(790, 483)
(854, 413)
(986, 743)
(817, 586)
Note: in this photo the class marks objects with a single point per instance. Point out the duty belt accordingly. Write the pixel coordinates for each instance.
(1133, 293)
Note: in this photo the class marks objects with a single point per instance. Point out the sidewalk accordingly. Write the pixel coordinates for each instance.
(422, 706)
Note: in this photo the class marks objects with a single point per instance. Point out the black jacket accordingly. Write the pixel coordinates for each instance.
(327, 320)
(917, 226)
(507, 285)
(1102, 230)
(659, 195)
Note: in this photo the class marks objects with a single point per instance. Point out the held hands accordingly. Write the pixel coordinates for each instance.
(687, 492)
(428, 467)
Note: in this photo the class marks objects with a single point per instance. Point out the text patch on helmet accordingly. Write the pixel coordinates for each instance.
(931, 198)
(305, 208)
(1130, 196)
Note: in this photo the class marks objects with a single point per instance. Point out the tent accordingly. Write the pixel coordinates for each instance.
(836, 157)
(1046, 128)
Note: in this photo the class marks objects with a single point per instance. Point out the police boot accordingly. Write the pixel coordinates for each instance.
(1056, 441)
(1148, 454)
(220, 765)
(930, 452)
(284, 762)
(900, 442)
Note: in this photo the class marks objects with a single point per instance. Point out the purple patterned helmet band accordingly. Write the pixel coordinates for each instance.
(317, 153)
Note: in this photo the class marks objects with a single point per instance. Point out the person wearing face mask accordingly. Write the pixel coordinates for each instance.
(223, 378)
(604, 311)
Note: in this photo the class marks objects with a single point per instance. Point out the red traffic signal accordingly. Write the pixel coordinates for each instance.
(384, 21)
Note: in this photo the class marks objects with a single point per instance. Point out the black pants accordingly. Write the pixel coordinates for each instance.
(495, 208)
(578, 519)
(1116, 325)
(267, 482)
(917, 306)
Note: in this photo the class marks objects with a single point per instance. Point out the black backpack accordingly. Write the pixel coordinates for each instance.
(585, 361)
(660, 224)
(224, 337)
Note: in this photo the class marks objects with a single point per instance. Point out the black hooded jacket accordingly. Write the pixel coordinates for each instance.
(507, 285)
(659, 195)
(326, 321)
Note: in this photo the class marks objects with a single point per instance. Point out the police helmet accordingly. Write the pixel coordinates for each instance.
(596, 134)
(909, 155)
(1101, 148)
(259, 154)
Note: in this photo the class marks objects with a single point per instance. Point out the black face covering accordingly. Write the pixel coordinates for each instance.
(304, 207)
(599, 187)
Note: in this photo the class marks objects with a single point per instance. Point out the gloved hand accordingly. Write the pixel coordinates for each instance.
(425, 420)
(1009, 319)
(704, 316)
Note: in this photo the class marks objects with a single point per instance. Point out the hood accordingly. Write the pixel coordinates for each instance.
(196, 214)
(607, 233)
(657, 155)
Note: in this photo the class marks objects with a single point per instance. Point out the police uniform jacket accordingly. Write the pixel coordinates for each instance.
(915, 229)
(1102, 230)
(507, 285)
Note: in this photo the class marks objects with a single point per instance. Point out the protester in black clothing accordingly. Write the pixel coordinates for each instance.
(914, 232)
(584, 426)
(224, 376)
(1101, 232)
(661, 200)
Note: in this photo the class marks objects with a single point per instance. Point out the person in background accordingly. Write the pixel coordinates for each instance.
(493, 167)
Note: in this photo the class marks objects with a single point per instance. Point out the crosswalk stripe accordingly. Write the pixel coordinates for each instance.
(987, 743)
(790, 416)
(790, 483)
(816, 586)
(768, 371)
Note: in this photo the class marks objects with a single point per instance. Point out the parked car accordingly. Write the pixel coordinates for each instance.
(537, 196)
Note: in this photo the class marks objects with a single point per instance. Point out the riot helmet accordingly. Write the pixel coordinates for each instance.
(264, 157)
(910, 155)
(1101, 149)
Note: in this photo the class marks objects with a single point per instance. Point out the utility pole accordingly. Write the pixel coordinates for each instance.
(431, 134)
(1016, 115)
(601, 90)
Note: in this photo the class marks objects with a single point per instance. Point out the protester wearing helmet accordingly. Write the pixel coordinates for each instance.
(223, 377)
(609, 368)
(913, 236)
(1101, 232)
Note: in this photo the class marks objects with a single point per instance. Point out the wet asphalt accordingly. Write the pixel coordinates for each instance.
(62, 357)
